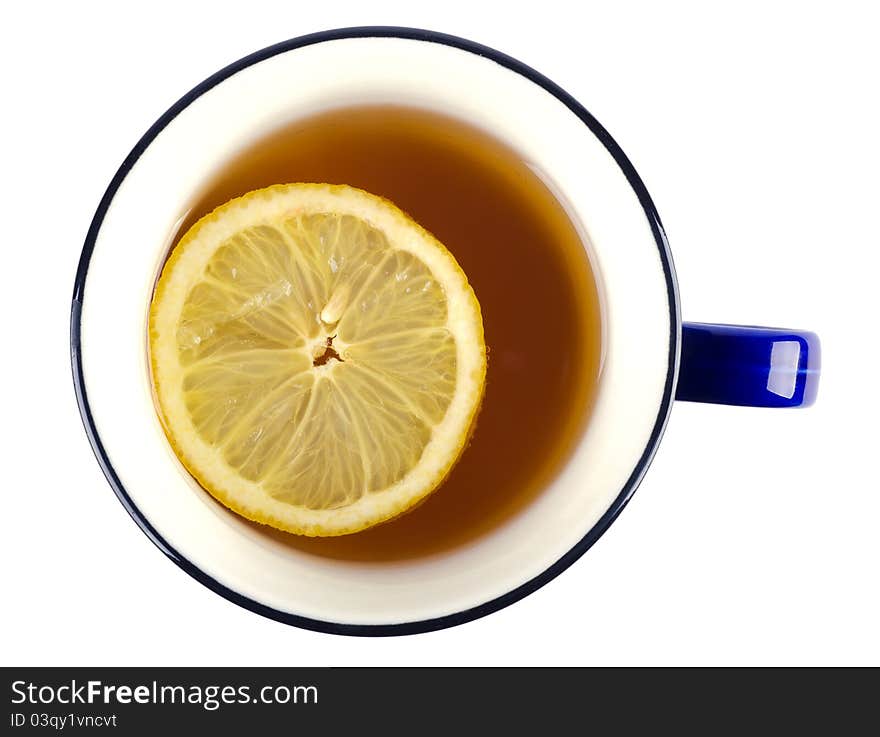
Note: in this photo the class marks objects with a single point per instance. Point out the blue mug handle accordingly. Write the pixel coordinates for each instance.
(748, 366)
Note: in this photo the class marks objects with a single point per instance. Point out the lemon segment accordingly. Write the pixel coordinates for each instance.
(318, 357)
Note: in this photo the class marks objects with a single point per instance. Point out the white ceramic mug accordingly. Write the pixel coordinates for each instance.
(148, 198)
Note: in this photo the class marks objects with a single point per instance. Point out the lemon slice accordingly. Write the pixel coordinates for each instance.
(317, 357)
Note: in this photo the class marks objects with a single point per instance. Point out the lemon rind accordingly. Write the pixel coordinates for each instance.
(449, 439)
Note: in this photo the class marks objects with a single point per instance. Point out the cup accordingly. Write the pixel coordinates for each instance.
(651, 357)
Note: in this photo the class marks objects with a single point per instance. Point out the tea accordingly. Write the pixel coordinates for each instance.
(528, 266)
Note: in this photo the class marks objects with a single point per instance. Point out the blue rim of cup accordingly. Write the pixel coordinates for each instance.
(467, 615)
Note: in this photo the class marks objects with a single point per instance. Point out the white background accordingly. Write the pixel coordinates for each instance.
(755, 537)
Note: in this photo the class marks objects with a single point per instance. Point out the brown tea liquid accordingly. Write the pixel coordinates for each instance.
(531, 275)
